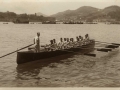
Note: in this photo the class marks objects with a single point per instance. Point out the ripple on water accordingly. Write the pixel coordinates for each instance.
(71, 71)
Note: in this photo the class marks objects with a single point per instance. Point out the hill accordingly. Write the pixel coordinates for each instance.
(88, 13)
(109, 9)
(40, 14)
(13, 17)
(75, 14)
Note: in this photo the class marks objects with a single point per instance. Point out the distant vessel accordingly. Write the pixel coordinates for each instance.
(21, 21)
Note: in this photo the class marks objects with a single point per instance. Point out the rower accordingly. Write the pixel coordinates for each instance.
(65, 43)
(77, 38)
(55, 44)
(67, 39)
(51, 45)
(47, 47)
(72, 42)
(80, 40)
(86, 39)
(76, 42)
(87, 36)
(60, 44)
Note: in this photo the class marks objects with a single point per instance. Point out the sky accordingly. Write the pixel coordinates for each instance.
(49, 7)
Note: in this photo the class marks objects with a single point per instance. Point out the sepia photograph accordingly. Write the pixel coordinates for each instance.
(59, 43)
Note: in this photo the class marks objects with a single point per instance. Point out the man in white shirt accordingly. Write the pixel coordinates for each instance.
(37, 42)
(60, 44)
(86, 39)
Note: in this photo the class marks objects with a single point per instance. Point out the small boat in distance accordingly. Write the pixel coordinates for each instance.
(28, 56)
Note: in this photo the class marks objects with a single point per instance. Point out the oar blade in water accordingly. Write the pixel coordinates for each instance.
(104, 49)
(116, 44)
(90, 54)
(109, 43)
(112, 46)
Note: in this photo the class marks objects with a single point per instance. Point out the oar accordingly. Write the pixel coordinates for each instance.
(104, 49)
(116, 44)
(16, 50)
(90, 54)
(108, 43)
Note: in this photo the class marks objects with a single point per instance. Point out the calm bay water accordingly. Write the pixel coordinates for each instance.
(70, 71)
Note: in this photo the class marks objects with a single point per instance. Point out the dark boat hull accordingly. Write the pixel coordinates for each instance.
(26, 56)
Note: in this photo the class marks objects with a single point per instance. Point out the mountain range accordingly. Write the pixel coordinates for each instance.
(89, 13)
(82, 14)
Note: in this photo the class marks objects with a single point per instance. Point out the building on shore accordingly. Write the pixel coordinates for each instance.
(59, 22)
(35, 22)
(6, 23)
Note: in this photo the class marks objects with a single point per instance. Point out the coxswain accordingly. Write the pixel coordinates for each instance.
(37, 42)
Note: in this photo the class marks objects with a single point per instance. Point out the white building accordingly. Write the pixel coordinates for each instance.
(59, 22)
(35, 22)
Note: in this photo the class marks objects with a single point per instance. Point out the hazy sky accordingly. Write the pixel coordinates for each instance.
(49, 7)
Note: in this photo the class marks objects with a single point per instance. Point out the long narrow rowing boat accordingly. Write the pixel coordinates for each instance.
(27, 56)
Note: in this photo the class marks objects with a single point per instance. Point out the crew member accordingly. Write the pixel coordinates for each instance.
(65, 43)
(55, 44)
(80, 41)
(51, 45)
(37, 42)
(61, 44)
(77, 41)
(86, 39)
(87, 36)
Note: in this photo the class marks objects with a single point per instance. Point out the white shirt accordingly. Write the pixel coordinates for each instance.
(35, 40)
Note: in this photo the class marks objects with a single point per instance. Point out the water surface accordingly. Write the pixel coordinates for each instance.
(68, 71)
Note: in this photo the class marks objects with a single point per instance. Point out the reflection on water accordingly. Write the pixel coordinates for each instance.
(32, 69)
(54, 71)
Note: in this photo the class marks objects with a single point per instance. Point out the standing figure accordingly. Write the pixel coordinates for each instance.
(37, 42)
